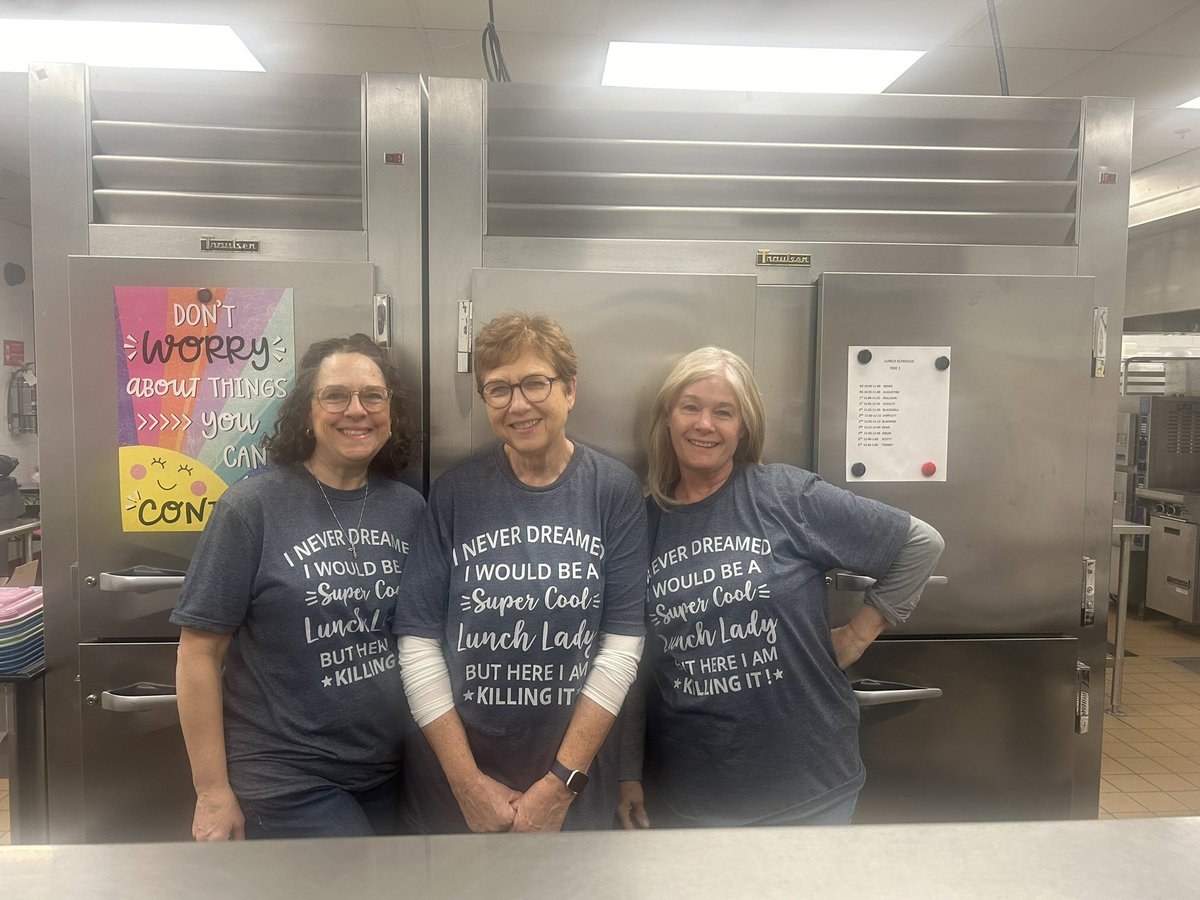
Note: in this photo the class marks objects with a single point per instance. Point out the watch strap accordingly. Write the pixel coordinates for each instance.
(575, 780)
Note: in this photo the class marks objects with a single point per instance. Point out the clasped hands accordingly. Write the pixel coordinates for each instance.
(489, 806)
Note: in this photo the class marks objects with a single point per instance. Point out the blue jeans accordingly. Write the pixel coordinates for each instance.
(326, 811)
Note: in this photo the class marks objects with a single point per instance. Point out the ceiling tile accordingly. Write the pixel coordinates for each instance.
(532, 58)
(458, 53)
(335, 49)
(1176, 35)
(872, 24)
(972, 70)
(1071, 24)
(1152, 81)
(395, 13)
(537, 16)
(554, 58)
(1149, 156)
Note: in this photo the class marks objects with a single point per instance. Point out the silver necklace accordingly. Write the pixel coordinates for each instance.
(341, 528)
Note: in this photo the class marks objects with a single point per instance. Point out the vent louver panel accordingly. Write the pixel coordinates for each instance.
(1183, 429)
(618, 164)
(229, 150)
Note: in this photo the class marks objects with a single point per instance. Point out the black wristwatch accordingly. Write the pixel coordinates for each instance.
(575, 780)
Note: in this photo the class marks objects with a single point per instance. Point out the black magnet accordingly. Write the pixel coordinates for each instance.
(204, 295)
(858, 470)
(942, 363)
(864, 356)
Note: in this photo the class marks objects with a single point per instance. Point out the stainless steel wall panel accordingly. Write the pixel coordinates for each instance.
(239, 99)
(152, 173)
(785, 367)
(997, 745)
(227, 210)
(777, 191)
(184, 241)
(455, 211)
(58, 176)
(733, 255)
(885, 119)
(1012, 444)
(1106, 126)
(250, 124)
(601, 165)
(137, 783)
(659, 317)
(700, 223)
(225, 142)
(700, 157)
(394, 124)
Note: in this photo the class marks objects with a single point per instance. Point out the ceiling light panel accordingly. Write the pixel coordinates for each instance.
(130, 44)
(726, 68)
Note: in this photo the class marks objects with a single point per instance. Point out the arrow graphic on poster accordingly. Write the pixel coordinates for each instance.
(162, 422)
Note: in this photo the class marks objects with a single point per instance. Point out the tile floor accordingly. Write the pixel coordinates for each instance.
(1151, 762)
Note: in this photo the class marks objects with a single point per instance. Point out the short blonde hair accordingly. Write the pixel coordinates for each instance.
(703, 363)
(509, 335)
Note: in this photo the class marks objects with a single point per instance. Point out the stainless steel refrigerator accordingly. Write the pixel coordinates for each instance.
(793, 230)
(648, 223)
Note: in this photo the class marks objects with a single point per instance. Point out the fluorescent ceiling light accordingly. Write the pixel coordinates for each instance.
(1194, 103)
(721, 68)
(136, 44)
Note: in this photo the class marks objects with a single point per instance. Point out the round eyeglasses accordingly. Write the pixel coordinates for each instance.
(336, 399)
(534, 388)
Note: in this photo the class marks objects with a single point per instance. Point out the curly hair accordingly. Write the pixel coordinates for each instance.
(291, 442)
(702, 363)
(507, 336)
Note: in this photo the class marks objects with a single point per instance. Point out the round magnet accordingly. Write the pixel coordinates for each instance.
(864, 356)
(204, 295)
(928, 468)
(942, 363)
(858, 470)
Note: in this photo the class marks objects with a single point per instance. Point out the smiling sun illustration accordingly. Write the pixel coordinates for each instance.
(163, 490)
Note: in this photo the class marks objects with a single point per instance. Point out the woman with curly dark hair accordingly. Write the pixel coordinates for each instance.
(289, 690)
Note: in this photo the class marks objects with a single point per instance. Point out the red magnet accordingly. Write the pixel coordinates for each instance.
(928, 469)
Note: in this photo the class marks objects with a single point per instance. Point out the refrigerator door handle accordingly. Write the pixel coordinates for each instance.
(138, 697)
(845, 581)
(138, 580)
(869, 692)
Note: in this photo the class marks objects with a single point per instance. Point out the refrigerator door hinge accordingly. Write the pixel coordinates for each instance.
(382, 318)
(1099, 340)
(1087, 605)
(1083, 684)
(466, 335)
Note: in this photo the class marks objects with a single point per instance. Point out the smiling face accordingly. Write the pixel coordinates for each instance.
(164, 490)
(532, 430)
(348, 440)
(706, 424)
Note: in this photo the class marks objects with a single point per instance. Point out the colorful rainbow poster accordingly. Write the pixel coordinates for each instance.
(201, 373)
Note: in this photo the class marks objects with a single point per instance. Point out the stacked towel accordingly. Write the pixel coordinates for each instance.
(21, 639)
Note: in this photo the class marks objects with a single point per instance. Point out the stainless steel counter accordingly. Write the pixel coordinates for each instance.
(1137, 857)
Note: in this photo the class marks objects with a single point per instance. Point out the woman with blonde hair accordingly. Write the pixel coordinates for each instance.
(750, 718)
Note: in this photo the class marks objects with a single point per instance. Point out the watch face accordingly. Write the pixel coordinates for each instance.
(575, 780)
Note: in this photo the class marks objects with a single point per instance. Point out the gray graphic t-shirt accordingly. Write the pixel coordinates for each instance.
(518, 582)
(311, 682)
(750, 715)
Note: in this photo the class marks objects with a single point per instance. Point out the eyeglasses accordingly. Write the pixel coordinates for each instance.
(534, 388)
(336, 398)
